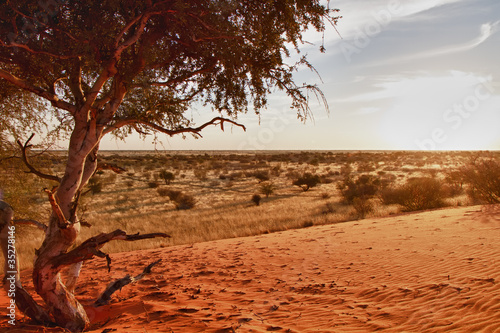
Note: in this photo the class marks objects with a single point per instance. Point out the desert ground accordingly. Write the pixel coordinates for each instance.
(339, 257)
(434, 271)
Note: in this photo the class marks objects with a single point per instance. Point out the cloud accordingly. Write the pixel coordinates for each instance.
(358, 15)
(485, 32)
(411, 8)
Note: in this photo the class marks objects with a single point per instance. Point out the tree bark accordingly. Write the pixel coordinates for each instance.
(61, 235)
(12, 279)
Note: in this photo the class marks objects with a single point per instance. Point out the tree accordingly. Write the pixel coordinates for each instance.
(307, 180)
(118, 66)
(267, 188)
(167, 176)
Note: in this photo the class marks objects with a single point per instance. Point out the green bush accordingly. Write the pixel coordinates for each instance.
(364, 187)
(483, 178)
(417, 194)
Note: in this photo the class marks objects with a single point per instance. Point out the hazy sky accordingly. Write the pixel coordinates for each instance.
(405, 74)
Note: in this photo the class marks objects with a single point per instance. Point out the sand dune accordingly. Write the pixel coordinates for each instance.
(435, 271)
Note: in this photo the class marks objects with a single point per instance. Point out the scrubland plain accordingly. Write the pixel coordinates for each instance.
(285, 241)
(203, 196)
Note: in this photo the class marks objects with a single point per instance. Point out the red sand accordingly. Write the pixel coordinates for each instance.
(434, 271)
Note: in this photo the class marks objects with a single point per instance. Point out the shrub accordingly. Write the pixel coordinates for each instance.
(483, 178)
(267, 189)
(153, 184)
(455, 182)
(362, 206)
(329, 208)
(261, 175)
(167, 176)
(416, 194)
(174, 195)
(163, 192)
(256, 199)
(184, 201)
(95, 185)
(364, 187)
(346, 170)
(307, 181)
(201, 174)
(180, 199)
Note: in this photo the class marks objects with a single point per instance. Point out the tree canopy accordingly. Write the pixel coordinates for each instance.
(138, 65)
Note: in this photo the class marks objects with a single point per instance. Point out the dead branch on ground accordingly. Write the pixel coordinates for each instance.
(120, 283)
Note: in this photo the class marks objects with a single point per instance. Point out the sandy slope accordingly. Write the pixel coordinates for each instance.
(435, 271)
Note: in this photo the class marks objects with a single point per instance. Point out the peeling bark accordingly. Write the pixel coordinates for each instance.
(61, 234)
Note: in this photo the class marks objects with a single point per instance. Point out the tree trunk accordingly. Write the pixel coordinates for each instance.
(12, 279)
(63, 230)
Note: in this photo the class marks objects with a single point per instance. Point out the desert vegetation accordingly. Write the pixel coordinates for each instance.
(231, 201)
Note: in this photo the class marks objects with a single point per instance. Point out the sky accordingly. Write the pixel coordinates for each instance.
(398, 75)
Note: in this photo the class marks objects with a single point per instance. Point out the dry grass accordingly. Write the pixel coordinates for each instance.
(223, 185)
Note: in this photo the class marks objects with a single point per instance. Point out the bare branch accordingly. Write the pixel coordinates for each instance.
(120, 283)
(32, 169)
(91, 247)
(196, 130)
(112, 167)
(35, 223)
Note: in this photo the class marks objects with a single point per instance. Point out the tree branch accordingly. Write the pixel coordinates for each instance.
(120, 283)
(91, 247)
(35, 223)
(32, 51)
(184, 78)
(112, 167)
(25, 85)
(63, 223)
(32, 169)
(215, 121)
